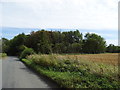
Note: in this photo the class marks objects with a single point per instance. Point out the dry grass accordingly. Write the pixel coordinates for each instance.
(96, 63)
(84, 67)
(108, 58)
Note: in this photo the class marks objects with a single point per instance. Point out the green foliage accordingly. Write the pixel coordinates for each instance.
(76, 48)
(22, 47)
(113, 49)
(47, 42)
(3, 55)
(67, 75)
(4, 45)
(15, 43)
(94, 43)
(26, 52)
(64, 63)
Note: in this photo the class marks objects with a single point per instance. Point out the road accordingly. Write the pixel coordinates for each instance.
(16, 75)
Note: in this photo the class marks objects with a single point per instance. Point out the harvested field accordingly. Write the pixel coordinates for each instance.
(108, 58)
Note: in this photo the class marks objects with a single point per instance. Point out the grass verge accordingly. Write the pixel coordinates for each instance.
(74, 79)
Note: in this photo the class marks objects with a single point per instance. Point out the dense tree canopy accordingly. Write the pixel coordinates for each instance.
(0, 45)
(47, 42)
(113, 49)
(5, 45)
(15, 44)
(94, 43)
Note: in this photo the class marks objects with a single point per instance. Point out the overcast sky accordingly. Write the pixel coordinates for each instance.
(72, 14)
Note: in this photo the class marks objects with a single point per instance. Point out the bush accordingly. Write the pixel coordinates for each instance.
(26, 52)
(3, 55)
(21, 48)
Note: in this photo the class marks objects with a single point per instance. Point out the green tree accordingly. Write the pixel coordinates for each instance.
(15, 43)
(70, 39)
(76, 48)
(44, 45)
(94, 43)
(113, 49)
(40, 41)
(4, 45)
(26, 52)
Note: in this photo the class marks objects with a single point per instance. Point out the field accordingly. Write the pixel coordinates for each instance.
(79, 70)
(108, 58)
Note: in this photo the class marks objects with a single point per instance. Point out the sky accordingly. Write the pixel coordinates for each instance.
(95, 16)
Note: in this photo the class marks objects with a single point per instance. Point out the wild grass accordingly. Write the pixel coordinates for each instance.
(77, 71)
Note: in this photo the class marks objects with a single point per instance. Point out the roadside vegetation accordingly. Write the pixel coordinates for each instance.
(69, 58)
(75, 72)
(3, 55)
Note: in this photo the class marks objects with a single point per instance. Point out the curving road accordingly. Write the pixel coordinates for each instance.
(16, 75)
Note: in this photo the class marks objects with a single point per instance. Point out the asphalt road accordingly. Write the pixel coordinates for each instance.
(16, 75)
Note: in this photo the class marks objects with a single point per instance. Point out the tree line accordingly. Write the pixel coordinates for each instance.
(47, 42)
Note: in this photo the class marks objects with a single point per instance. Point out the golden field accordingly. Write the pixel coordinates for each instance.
(107, 58)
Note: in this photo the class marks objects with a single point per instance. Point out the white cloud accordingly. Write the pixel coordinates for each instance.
(85, 14)
(88, 14)
(112, 41)
(16, 1)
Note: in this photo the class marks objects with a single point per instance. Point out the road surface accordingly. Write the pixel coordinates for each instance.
(16, 75)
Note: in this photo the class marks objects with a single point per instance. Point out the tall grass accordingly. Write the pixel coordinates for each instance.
(73, 71)
(67, 62)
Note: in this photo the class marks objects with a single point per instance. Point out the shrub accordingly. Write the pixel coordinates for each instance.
(3, 55)
(21, 49)
(26, 52)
